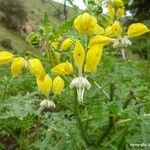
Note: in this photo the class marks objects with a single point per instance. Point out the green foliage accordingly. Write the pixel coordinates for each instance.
(20, 117)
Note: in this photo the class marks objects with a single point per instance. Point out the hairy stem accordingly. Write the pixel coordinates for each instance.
(78, 117)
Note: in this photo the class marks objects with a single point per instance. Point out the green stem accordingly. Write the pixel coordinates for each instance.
(77, 113)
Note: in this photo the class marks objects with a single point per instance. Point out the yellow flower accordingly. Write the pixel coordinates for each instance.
(116, 28)
(55, 44)
(65, 68)
(67, 43)
(93, 57)
(98, 30)
(119, 3)
(99, 39)
(85, 23)
(58, 85)
(108, 31)
(120, 12)
(36, 68)
(17, 65)
(45, 85)
(137, 29)
(5, 57)
(78, 55)
(111, 11)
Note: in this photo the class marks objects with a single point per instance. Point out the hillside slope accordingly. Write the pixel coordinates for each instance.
(35, 10)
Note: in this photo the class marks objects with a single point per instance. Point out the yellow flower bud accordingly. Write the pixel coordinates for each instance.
(17, 65)
(79, 55)
(93, 57)
(116, 28)
(119, 3)
(58, 85)
(99, 40)
(44, 85)
(85, 23)
(55, 44)
(65, 68)
(36, 68)
(111, 11)
(120, 12)
(5, 57)
(67, 43)
(108, 31)
(137, 29)
(98, 30)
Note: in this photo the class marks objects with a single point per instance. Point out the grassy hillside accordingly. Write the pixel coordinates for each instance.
(35, 10)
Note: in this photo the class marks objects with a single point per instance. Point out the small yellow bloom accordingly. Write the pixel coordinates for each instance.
(64, 68)
(17, 65)
(85, 23)
(58, 85)
(119, 3)
(98, 30)
(45, 85)
(78, 55)
(120, 12)
(111, 11)
(36, 68)
(116, 28)
(99, 40)
(108, 31)
(67, 43)
(137, 29)
(5, 57)
(93, 57)
(55, 44)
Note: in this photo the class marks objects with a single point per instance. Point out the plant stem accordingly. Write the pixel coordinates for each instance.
(77, 113)
(111, 119)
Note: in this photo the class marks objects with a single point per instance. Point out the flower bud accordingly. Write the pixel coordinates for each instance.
(85, 23)
(66, 44)
(98, 30)
(17, 65)
(36, 68)
(120, 12)
(5, 57)
(79, 55)
(99, 40)
(137, 29)
(93, 57)
(58, 85)
(116, 28)
(111, 11)
(45, 85)
(65, 68)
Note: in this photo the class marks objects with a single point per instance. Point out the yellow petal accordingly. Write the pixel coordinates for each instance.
(111, 11)
(100, 40)
(17, 65)
(36, 68)
(45, 85)
(58, 85)
(116, 28)
(78, 54)
(5, 57)
(64, 68)
(119, 3)
(137, 29)
(85, 23)
(120, 12)
(98, 30)
(108, 31)
(93, 57)
(67, 43)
